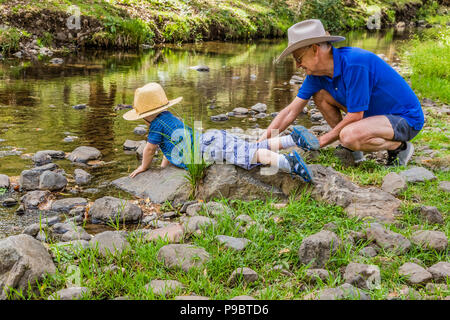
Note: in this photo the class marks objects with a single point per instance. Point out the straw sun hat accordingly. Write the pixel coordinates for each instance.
(305, 33)
(148, 100)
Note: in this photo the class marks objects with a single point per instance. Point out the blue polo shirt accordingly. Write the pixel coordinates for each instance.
(362, 81)
(172, 136)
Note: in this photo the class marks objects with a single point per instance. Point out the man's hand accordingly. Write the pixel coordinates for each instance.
(284, 118)
(139, 169)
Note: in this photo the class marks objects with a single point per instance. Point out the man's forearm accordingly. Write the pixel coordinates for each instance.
(280, 123)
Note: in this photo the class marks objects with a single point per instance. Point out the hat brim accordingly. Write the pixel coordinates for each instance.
(304, 43)
(133, 115)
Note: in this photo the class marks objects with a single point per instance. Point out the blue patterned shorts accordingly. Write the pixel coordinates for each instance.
(221, 147)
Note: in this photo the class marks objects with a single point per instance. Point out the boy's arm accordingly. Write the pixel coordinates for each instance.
(147, 157)
(164, 162)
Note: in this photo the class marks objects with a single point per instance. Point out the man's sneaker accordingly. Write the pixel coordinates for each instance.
(400, 157)
(305, 139)
(298, 166)
(349, 157)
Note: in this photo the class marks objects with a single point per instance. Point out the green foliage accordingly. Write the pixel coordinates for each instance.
(330, 12)
(430, 8)
(46, 40)
(10, 39)
(123, 33)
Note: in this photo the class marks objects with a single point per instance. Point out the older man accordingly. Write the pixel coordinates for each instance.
(382, 111)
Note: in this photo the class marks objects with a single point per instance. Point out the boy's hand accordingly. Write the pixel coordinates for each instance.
(139, 169)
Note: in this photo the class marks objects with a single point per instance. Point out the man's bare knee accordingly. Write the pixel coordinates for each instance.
(350, 138)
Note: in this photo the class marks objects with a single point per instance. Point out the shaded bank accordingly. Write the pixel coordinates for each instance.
(29, 25)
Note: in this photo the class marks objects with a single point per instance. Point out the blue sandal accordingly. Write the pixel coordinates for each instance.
(305, 139)
(299, 167)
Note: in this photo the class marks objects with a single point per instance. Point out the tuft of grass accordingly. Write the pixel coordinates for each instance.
(10, 39)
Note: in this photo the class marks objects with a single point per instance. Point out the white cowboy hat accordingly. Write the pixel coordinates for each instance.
(305, 33)
(148, 100)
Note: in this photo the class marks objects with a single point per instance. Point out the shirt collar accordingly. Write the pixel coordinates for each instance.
(336, 63)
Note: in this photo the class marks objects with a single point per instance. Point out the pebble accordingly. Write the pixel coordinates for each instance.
(79, 106)
(9, 202)
(219, 117)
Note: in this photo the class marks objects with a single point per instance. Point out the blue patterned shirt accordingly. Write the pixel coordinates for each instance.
(170, 133)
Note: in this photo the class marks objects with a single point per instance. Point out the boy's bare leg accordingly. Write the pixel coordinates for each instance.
(266, 157)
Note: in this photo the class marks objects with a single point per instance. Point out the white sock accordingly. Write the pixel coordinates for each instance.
(287, 142)
(283, 163)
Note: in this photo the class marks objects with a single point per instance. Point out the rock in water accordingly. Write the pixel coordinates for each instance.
(82, 177)
(219, 117)
(172, 185)
(200, 68)
(53, 181)
(4, 181)
(259, 107)
(84, 154)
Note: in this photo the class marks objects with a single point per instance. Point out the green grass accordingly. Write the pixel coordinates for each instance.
(276, 238)
(429, 57)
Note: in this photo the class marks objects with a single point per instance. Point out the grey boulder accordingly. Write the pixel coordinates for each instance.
(50, 180)
(245, 275)
(259, 107)
(362, 276)
(317, 249)
(432, 240)
(182, 256)
(83, 154)
(67, 204)
(72, 293)
(109, 242)
(417, 174)
(82, 177)
(431, 214)
(414, 273)
(195, 223)
(164, 287)
(388, 239)
(172, 185)
(35, 199)
(393, 183)
(440, 271)
(23, 261)
(109, 209)
(4, 181)
(232, 242)
(345, 291)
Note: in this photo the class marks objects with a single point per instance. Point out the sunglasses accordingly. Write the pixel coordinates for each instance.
(299, 59)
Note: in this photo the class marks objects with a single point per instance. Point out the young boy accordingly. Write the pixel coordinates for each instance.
(174, 138)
